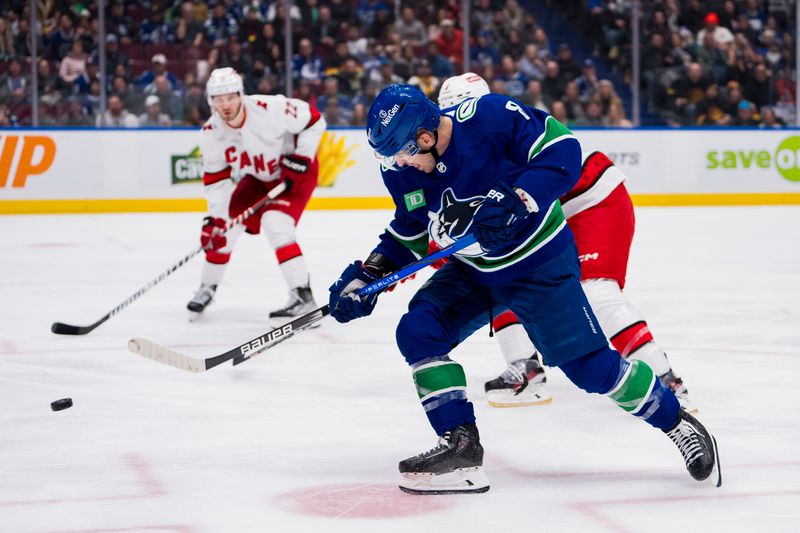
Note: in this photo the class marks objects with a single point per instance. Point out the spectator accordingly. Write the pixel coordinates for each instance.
(692, 16)
(240, 62)
(483, 51)
(587, 82)
(553, 85)
(533, 96)
(593, 115)
(559, 112)
(733, 96)
(531, 65)
(250, 28)
(711, 57)
(120, 23)
(615, 118)
(483, 16)
(746, 115)
(566, 64)
(153, 29)
(7, 50)
(710, 110)
(425, 80)
(722, 36)
(61, 39)
(689, 90)
(114, 56)
(153, 117)
(335, 115)
(307, 67)
(22, 37)
(512, 44)
(72, 66)
(45, 73)
(441, 67)
(759, 88)
(331, 93)
(385, 76)
(359, 117)
(116, 115)
(356, 44)
(76, 114)
(572, 103)
(607, 96)
(769, 120)
(195, 105)
(410, 30)
(451, 42)
(170, 99)
(158, 68)
(121, 87)
(351, 78)
(325, 30)
(84, 81)
(515, 82)
(220, 25)
(189, 30)
(13, 84)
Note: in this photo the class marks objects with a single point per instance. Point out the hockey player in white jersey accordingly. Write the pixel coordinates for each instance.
(600, 214)
(250, 144)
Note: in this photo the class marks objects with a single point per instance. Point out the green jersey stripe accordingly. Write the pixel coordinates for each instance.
(554, 132)
(417, 244)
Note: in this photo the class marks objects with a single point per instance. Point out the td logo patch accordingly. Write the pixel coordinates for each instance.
(414, 199)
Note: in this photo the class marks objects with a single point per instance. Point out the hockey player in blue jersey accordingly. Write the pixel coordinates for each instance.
(493, 168)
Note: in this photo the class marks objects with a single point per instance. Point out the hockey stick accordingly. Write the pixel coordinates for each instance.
(251, 348)
(61, 328)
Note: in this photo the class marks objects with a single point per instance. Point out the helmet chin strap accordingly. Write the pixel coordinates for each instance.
(432, 150)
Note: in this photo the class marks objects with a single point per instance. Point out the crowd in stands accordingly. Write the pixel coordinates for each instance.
(705, 62)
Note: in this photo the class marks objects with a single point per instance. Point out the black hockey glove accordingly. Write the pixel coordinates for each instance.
(497, 220)
(294, 169)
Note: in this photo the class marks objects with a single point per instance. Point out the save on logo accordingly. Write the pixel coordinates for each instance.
(785, 159)
(187, 168)
(34, 156)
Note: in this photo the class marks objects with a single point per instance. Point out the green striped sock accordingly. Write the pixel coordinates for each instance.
(439, 377)
(635, 386)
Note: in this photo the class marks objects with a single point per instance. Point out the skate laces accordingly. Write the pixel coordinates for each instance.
(686, 437)
(205, 292)
(516, 372)
(442, 444)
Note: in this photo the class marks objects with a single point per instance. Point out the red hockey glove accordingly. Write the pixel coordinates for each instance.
(295, 168)
(439, 263)
(211, 237)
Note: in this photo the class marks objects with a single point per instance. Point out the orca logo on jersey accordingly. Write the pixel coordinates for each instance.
(453, 220)
(387, 116)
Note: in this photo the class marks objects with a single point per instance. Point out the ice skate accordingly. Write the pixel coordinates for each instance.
(201, 299)
(523, 383)
(454, 466)
(698, 447)
(301, 301)
(675, 384)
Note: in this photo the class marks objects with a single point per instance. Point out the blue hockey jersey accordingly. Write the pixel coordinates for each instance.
(495, 139)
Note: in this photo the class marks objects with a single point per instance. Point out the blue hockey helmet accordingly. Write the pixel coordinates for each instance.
(395, 117)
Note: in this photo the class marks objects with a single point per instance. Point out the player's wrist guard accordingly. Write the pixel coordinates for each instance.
(379, 264)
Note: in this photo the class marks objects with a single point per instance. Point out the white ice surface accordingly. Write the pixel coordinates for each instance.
(306, 437)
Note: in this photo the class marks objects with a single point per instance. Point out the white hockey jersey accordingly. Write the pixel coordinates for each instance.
(599, 178)
(273, 126)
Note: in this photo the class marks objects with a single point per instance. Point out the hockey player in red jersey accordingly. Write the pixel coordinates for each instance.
(600, 214)
(250, 144)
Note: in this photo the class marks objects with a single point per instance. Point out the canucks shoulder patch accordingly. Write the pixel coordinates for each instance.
(414, 199)
(466, 109)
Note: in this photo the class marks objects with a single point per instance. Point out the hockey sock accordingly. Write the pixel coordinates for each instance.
(631, 385)
(442, 390)
(641, 393)
(631, 338)
(292, 265)
(212, 273)
(512, 337)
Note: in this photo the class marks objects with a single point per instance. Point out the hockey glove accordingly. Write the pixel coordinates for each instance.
(295, 168)
(497, 220)
(211, 237)
(344, 303)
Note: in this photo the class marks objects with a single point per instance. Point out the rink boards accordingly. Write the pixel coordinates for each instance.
(156, 170)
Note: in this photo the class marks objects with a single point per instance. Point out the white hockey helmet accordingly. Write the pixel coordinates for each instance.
(458, 88)
(223, 81)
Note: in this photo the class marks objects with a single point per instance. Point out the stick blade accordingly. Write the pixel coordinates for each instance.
(164, 355)
(59, 328)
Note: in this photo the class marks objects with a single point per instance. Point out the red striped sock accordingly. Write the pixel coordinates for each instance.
(290, 251)
(631, 338)
(504, 319)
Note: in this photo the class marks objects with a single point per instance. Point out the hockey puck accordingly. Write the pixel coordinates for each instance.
(63, 403)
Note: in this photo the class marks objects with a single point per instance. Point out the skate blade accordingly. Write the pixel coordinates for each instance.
(459, 481)
(194, 315)
(540, 397)
(716, 472)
